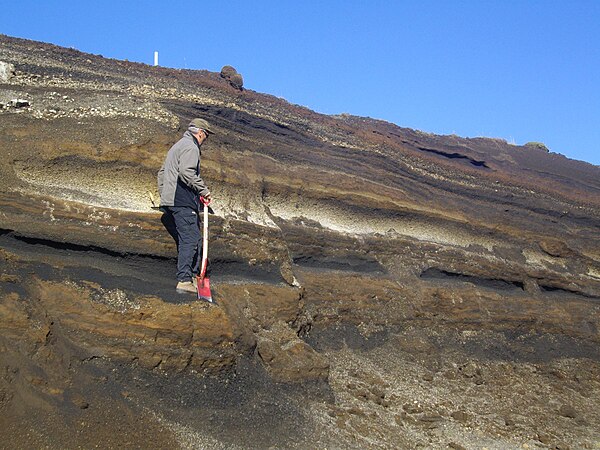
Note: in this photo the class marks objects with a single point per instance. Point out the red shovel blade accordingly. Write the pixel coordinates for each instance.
(204, 289)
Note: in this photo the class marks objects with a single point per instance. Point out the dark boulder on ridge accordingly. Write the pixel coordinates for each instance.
(233, 77)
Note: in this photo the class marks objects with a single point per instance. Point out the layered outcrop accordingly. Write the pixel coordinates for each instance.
(396, 223)
(320, 222)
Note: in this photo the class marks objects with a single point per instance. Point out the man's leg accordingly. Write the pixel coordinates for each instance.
(188, 234)
(198, 257)
(196, 262)
(169, 223)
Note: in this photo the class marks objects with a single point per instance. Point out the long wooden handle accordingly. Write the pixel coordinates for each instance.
(204, 242)
(205, 234)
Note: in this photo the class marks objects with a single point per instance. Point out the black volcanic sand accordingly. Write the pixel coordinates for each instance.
(403, 388)
(243, 408)
(134, 273)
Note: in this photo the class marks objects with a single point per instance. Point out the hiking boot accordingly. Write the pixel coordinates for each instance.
(186, 287)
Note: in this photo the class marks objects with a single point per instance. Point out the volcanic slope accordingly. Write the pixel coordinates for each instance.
(377, 287)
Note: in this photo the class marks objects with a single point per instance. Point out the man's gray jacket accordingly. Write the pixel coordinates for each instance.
(179, 181)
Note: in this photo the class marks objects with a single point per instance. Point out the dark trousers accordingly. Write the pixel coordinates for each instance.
(183, 224)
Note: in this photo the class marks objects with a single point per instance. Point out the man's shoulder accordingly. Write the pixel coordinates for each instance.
(184, 143)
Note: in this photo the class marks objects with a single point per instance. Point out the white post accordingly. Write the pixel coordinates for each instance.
(156, 58)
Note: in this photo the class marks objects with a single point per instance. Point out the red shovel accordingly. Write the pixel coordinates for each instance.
(203, 282)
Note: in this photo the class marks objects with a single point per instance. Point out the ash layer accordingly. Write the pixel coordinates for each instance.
(378, 287)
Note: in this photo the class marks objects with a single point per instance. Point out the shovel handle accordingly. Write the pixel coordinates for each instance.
(204, 240)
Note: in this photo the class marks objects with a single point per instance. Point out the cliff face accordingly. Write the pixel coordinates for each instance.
(343, 248)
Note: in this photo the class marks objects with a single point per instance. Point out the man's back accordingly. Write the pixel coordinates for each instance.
(179, 183)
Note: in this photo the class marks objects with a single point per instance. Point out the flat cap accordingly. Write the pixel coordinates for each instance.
(202, 124)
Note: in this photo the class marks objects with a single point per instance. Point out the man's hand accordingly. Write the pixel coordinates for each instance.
(206, 199)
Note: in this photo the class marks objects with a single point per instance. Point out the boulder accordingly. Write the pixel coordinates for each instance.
(19, 103)
(537, 146)
(233, 77)
(288, 358)
(228, 71)
(556, 248)
(236, 81)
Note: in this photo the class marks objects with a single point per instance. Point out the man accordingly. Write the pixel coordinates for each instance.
(180, 186)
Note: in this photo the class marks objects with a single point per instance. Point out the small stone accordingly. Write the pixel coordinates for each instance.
(544, 438)
(378, 394)
(341, 422)
(470, 370)
(460, 416)
(6, 278)
(37, 381)
(431, 418)
(428, 377)
(362, 394)
(408, 419)
(567, 411)
(412, 409)
(456, 446)
(450, 375)
(79, 401)
(356, 411)
(19, 103)
(378, 391)
(509, 421)
(581, 422)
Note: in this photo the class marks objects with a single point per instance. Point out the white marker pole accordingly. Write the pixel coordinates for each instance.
(156, 58)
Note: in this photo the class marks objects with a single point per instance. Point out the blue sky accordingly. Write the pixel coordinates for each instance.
(518, 70)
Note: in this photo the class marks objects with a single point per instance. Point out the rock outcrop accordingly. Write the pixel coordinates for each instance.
(7, 71)
(348, 254)
(233, 77)
(289, 358)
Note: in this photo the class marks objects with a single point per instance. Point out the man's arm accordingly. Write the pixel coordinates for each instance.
(161, 179)
(187, 172)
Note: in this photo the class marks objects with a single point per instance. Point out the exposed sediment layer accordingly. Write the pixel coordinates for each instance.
(322, 224)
